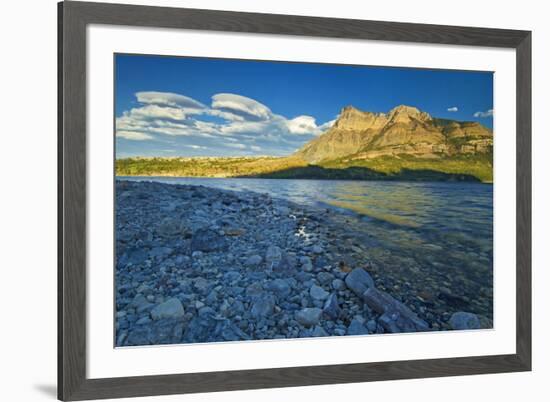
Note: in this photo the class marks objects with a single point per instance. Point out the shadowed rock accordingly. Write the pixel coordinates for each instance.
(396, 317)
(332, 308)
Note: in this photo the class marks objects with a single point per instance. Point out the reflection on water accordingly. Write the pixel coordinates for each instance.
(424, 236)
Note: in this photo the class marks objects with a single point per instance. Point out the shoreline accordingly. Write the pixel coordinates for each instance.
(121, 177)
(199, 264)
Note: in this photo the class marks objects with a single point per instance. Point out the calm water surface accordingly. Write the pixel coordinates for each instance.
(425, 236)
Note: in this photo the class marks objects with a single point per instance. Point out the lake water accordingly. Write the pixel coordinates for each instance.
(429, 238)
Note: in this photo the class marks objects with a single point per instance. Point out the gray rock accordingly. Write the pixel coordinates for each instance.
(371, 326)
(171, 308)
(317, 249)
(338, 284)
(121, 337)
(168, 227)
(308, 266)
(318, 331)
(254, 289)
(207, 327)
(208, 240)
(197, 254)
(356, 327)
(212, 297)
(137, 255)
(140, 303)
(273, 254)
(201, 285)
(324, 278)
(464, 320)
(485, 323)
(159, 252)
(262, 306)
(359, 281)
(339, 331)
(143, 320)
(331, 307)
(287, 263)
(155, 333)
(279, 287)
(396, 317)
(232, 276)
(318, 293)
(253, 261)
(308, 317)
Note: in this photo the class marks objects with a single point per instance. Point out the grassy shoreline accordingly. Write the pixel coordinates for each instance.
(403, 168)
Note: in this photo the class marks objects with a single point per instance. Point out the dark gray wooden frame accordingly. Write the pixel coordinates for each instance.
(73, 17)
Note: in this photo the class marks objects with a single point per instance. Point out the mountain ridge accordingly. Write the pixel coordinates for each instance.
(404, 130)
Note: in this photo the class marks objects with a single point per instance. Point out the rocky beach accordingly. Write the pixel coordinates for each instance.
(198, 264)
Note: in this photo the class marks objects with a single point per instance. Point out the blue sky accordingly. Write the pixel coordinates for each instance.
(179, 106)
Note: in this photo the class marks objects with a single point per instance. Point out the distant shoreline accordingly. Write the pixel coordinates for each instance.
(396, 168)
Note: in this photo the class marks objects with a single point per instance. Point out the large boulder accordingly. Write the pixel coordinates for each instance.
(359, 281)
(396, 317)
(464, 320)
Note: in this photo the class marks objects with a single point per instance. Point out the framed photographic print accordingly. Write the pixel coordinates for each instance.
(254, 201)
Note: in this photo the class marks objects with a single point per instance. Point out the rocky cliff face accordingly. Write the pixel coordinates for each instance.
(403, 130)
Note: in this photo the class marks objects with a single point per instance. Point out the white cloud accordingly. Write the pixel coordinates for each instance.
(488, 113)
(302, 125)
(233, 124)
(244, 127)
(224, 115)
(195, 146)
(133, 135)
(241, 105)
(168, 99)
(235, 145)
(452, 109)
(158, 112)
